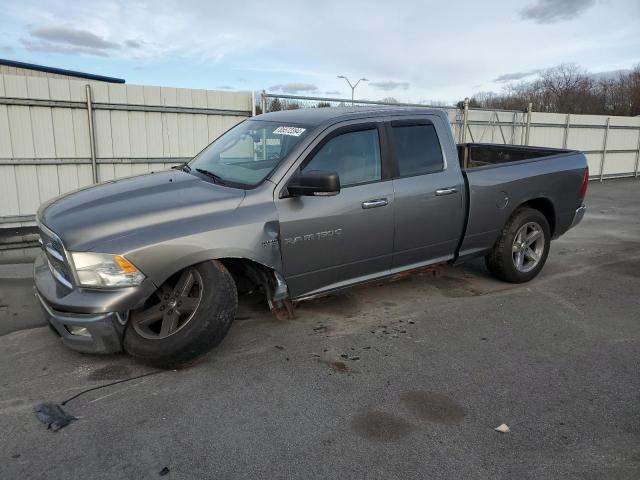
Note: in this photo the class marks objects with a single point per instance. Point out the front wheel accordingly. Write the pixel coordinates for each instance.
(522, 248)
(188, 316)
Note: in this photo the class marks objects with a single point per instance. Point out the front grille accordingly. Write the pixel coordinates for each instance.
(57, 257)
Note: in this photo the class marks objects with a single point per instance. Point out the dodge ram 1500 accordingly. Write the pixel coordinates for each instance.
(297, 204)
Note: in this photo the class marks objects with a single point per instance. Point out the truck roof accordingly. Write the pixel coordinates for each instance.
(319, 116)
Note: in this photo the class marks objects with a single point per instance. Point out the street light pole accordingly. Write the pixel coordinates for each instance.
(353, 87)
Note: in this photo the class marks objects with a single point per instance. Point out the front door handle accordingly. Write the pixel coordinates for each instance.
(445, 191)
(378, 202)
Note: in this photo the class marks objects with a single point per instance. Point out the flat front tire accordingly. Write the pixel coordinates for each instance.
(522, 248)
(186, 317)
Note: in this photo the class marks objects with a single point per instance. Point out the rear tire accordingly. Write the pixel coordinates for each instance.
(189, 315)
(522, 248)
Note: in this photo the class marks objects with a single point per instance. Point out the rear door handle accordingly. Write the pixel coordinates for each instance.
(445, 191)
(378, 202)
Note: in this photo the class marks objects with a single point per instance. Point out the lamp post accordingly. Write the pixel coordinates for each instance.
(353, 87)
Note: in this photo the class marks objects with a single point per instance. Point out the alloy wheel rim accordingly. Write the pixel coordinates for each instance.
(528, 247)
(178, 301)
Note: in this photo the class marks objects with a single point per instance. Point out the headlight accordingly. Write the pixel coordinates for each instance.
(103, 270)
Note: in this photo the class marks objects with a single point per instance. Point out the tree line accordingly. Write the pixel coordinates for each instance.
(567, 88)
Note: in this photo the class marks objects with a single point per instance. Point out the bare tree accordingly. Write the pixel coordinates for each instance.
(569, 89)
(275, 105)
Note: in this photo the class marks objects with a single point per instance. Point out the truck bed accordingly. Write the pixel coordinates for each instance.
(473, 155)
(499, 178)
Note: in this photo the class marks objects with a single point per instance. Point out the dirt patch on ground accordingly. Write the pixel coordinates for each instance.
(433, 407)
(338, 304)
(380, 426)
(110, 372)
(340, 367)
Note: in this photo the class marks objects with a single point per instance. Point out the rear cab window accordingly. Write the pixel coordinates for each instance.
(417, 149)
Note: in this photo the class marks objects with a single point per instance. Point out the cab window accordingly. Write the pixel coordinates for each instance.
(354, 156)
(417, 149)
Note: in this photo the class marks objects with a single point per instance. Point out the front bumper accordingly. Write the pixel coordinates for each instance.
(102, 332)
(102, 313)
(578, 216)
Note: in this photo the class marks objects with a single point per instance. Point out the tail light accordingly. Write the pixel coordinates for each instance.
(585, 183)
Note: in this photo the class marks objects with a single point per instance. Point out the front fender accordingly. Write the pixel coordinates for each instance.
(255, 242)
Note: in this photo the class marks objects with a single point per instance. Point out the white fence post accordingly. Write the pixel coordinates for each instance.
(604, 148)
(526, 138)
(92, 137)
(253, 103)
(465, 119)
(637, 156)
(566, 131)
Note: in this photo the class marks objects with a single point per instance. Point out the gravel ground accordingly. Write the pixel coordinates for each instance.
(405, 380)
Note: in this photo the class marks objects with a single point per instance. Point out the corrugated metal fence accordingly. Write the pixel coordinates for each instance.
(611, 143)
(59, 134)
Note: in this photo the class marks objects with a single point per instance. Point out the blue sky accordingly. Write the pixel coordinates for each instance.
(417, 51)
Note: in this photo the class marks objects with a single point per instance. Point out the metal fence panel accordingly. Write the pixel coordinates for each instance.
(45, 136)
(610, 143)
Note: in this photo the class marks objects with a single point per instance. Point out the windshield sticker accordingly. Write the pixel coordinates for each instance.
(293, 131)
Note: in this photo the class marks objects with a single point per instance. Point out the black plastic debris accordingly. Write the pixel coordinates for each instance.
(164, 471)
(53, 416)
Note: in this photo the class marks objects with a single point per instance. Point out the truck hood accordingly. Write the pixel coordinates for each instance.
(105, 212)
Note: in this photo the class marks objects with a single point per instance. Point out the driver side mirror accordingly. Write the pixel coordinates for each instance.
(314, 183)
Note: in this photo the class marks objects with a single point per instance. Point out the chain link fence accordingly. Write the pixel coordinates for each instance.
(611, 143)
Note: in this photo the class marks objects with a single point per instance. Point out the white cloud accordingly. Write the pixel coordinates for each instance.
(50, 47)
(73, 36)
(389, 85)
(294, 87)
(509, 77)
(550, 11)
(426, 49)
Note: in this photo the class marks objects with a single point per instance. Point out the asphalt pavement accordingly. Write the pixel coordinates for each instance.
(401, 381)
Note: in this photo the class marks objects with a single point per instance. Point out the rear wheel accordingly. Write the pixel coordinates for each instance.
(522, 248)
(188, 316)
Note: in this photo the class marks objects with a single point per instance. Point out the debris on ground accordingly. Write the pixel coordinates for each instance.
(164, 471)
(53, 416)
(340, 367)
(393, 331)
(504, 428)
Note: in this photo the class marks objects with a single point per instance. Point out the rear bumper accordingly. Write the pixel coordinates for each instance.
(577, 217)
(101, 333)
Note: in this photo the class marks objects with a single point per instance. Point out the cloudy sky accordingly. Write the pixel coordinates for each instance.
(417, 51)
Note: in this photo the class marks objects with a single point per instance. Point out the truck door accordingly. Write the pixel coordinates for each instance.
(428, 190)
(328, 241)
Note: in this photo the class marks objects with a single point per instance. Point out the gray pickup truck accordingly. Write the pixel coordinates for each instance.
(295, 204)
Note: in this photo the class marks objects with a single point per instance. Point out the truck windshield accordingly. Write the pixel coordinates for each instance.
(248, 153)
